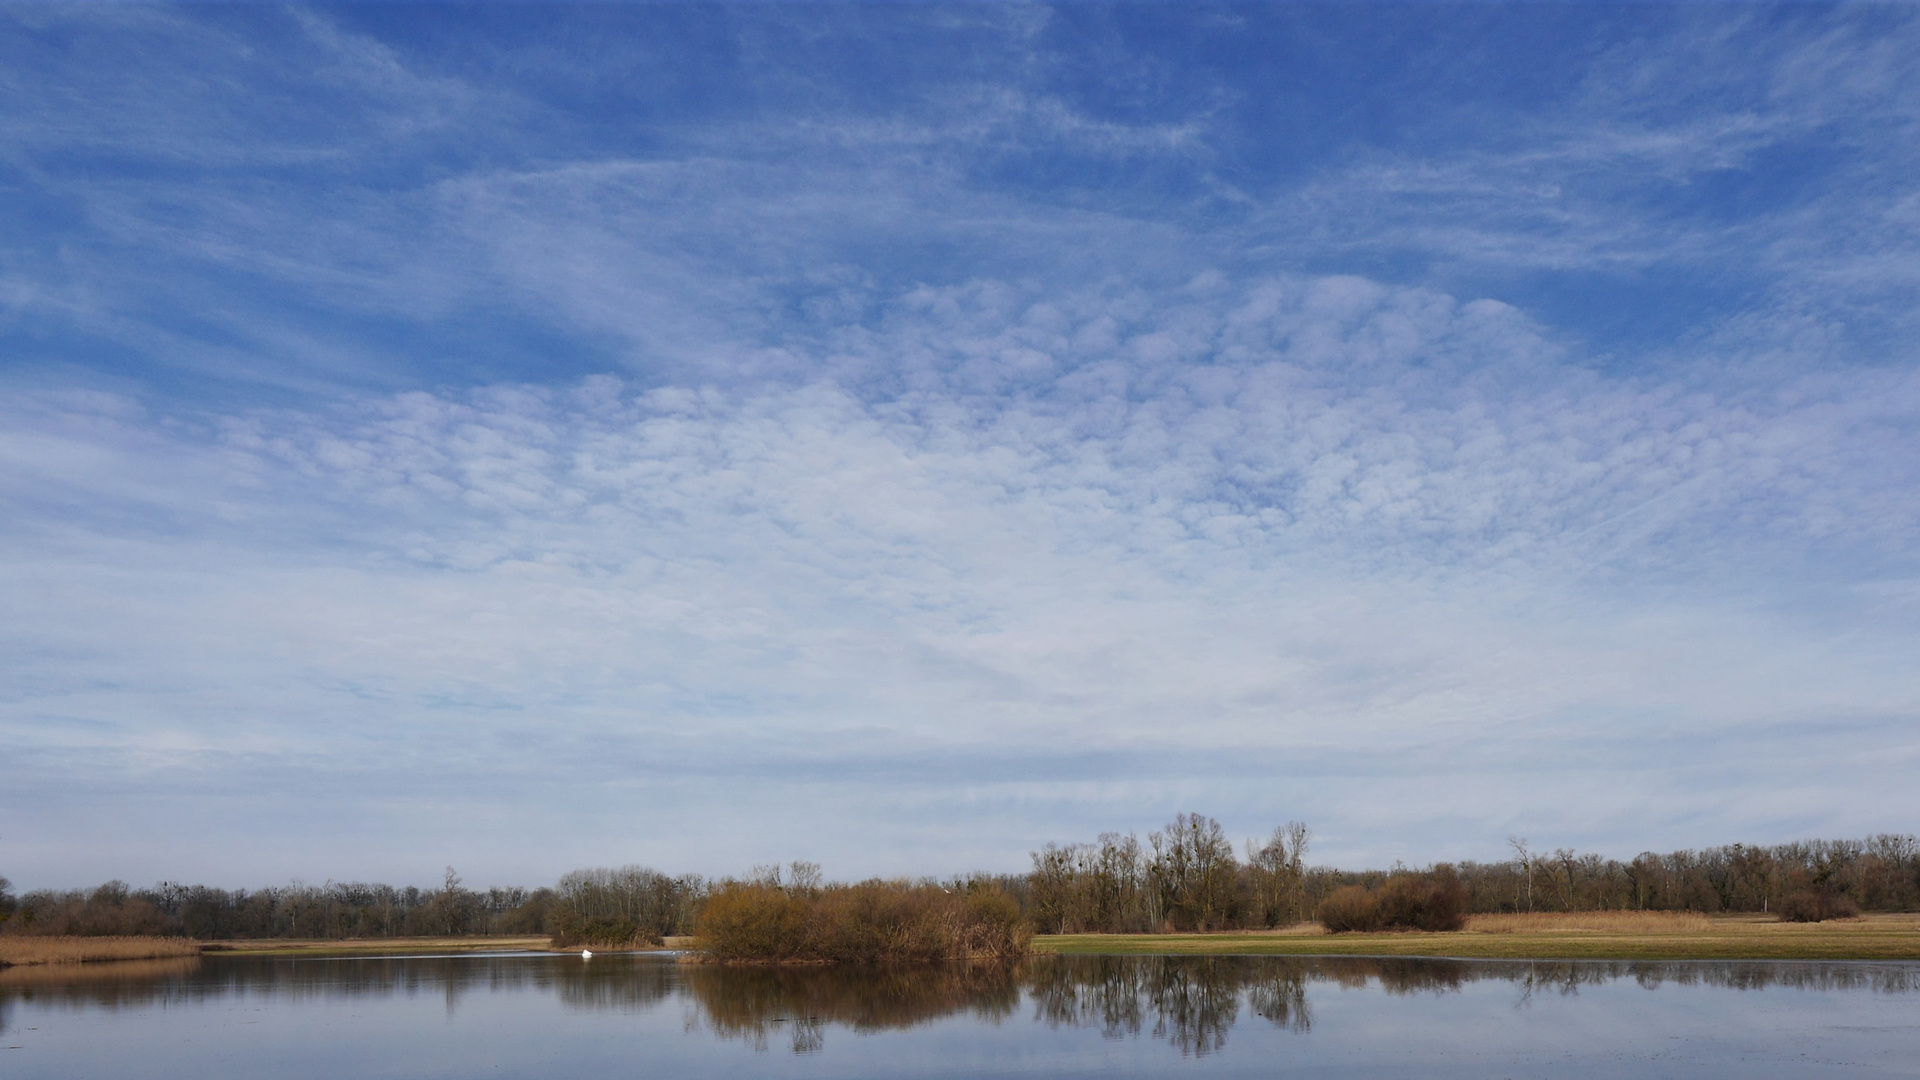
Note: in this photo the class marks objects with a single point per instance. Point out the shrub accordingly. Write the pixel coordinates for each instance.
(1433, 901)
(1816, 905)
(753, 922)
(1350, 909)
(869, 923)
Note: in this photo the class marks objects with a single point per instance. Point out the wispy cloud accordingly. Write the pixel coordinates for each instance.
(508, 431)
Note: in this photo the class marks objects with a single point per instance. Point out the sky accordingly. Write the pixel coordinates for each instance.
(531, 437)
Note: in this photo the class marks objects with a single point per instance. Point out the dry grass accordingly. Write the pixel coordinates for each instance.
(71, 976)
(1609, 936)
(397, 946)
(1608, 922)
(25, 950)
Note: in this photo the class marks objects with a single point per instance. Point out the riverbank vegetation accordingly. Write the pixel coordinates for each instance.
(632, 907)
(23, 951)
(874, 922)
(1185, 878)
(1434, 901)
(384, 947)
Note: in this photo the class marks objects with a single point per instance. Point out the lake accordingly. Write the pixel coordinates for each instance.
(546, 1015)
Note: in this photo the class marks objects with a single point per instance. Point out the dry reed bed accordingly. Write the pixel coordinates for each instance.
(24, 950)
(81, 977)
(1604, 922)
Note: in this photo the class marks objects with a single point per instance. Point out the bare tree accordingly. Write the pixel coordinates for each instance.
(803, 877)
(1524, 856)
(1297, 838)
(1278, 869)
(1569, 871)
(1193, 867)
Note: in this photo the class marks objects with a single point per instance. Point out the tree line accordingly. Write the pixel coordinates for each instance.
(1187, 876)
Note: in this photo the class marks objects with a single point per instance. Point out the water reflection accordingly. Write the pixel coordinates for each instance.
(1191, 1003)
(798, 1004)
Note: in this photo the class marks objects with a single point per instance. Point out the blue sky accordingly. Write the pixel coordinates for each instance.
(898, 436)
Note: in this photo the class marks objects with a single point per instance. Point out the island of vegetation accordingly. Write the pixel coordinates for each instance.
(1184, 889)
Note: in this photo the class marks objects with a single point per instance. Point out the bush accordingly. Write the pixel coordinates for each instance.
(753, 922)
(1350, 909)
(1433, 901)
(1816, 905)
(873, 922)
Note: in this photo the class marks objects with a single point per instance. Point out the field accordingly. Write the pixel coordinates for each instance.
(1619, 935)
(23, 951)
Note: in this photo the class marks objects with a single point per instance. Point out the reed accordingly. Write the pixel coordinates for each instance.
(95, 981)
(22, 950)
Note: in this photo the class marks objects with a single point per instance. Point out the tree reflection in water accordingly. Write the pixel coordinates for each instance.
(1190, 1002)
(753, 1003)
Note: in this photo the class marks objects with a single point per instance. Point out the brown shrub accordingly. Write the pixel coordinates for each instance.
(1350, 909)
(753, 922)
(1433, 901)
(873, 922)
(1816, 905)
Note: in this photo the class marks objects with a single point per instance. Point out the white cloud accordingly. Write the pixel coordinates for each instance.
(971, 477)
(1318, 521)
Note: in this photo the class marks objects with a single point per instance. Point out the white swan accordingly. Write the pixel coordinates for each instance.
(586, 954)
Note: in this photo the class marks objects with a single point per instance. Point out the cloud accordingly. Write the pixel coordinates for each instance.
(1318, 523)
(902, 438)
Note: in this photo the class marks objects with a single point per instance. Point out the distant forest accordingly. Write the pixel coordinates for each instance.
(1186, 876)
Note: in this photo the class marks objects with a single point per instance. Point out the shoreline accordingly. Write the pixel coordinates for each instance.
(1724, 937)
(1879, 936)
(397, 947)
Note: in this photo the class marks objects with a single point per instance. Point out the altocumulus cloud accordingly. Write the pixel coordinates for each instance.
(1377, 542)
(912, 477)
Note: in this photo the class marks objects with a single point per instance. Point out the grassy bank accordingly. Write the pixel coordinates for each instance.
(394, 946)
(1598, 935)
(26, 951)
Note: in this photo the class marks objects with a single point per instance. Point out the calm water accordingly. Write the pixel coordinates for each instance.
(559, 1016)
